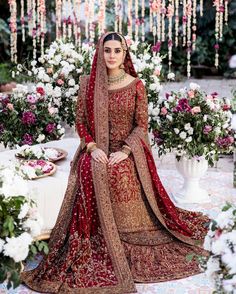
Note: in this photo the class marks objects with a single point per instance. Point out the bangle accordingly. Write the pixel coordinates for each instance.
(91, 147)
(126, 149)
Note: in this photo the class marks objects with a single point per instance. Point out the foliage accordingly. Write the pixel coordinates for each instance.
(192, 123)
(20, 223)
(27, 117)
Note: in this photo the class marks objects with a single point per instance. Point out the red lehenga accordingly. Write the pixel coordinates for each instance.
(117, 225)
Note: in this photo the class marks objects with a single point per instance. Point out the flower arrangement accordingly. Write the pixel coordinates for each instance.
(58, 72)
(148, 65)
(20, 223)
(37, 152)
(220, 241)
(28, 118)
(191, 123)
(33, 169)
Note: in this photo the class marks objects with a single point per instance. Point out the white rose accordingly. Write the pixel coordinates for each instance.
(40, 138)
(2, 242)
(155, 111)
(187, 126)
(18, 247)
(212, 266)
(194, 86)
(183, 135)
(34, 226)
(189, 139)
(176, 130)
(33, 63)
(152, 87)
(169, 117)
(190, 131)
(23, 210)
(146, 56)
(61, 131)
(71, 82)
(171, 98)
(171, 76)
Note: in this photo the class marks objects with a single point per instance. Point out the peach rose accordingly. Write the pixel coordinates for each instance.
(195, 109)
(10, 106)
(163, 111)
(191, 94)
(49, 70)
(60, 82)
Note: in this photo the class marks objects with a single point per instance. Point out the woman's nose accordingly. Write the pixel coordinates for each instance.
(112, 53)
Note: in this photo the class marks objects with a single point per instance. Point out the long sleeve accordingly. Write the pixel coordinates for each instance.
(81, 124)
(141, 112)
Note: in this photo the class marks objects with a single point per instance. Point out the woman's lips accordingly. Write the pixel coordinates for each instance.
(112, 62)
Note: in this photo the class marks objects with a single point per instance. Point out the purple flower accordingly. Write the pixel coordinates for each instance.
(156, 47)
(28, 118)
(27, 139)
(225, 142)
(50, 128)
(157, 137)
(207, 129)
(183, 106)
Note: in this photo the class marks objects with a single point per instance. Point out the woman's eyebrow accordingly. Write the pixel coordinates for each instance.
(112, 48)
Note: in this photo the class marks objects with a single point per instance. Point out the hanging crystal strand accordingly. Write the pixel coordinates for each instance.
(150, 16)
(22, 19)
(58, 19)
(163, 13)
(34, 28)
(201, 8)
(38, 21)
(221, 20)
(142, 20)
(170, 13)
(69, 20)
(91, 19)
(154, 27)
(234, 172)
(159, 21)
(75, 21)
(29, 15)
(78, 24)
(64, 20)
(116, 15)
(226, 12)
(42, 24)
(176, 22)
(184, 23)
(194, 26)
(189, 32)
(13, 28)
(217, 17)
(136, 20)
(120, 9)
(86, 12)
(129, 22)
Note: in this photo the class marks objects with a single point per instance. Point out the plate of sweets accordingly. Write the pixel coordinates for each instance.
(52, 154)
(36, 168)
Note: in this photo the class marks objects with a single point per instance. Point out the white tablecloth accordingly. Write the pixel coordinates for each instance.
(49, 191)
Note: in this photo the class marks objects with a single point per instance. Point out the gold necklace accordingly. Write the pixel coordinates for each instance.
(116, 79)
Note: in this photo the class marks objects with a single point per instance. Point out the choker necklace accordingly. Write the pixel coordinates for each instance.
(116, 79)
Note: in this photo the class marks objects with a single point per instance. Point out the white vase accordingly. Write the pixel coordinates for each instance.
(192, 170)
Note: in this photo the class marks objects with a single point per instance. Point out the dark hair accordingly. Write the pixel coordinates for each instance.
(112, 36)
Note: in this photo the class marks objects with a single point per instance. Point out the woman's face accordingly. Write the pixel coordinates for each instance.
(113, 54)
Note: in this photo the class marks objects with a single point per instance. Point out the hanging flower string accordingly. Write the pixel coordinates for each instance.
(194, 26)
(217, 23)
(58, 19)
(142, 20)
(170, 13)
(13, 28)
(184, 20)
(22, 19)
(136, 20)
(176, 22)
(189, 43)
(163, 13)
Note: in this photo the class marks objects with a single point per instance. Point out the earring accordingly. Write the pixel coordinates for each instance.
(122, 66)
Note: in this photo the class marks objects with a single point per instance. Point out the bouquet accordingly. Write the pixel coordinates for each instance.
(220, 241)
(20, 223)
(28, 118)
(192, 124)
(58, 73)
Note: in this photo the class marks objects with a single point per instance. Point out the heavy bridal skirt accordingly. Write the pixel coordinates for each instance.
(192, 170)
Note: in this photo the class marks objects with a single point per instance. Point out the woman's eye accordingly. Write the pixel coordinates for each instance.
(117, 51)
(107, 50)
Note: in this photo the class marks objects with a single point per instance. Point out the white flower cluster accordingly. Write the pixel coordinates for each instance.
(37, 152)
(29, 221)
(221, 242)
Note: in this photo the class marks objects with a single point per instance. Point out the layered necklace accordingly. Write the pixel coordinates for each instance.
(116, 79)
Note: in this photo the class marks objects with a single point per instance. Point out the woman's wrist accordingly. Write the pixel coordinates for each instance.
(126, 149)
(91, 147)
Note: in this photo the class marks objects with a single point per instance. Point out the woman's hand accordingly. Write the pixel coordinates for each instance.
(99, 156)
(117, 157)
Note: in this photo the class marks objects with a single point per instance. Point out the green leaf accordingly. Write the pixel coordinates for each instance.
(190, 257)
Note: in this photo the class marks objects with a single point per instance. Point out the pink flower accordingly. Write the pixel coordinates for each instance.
(207, 129)
(10, 106)
(218, 233)
(226, 107)
(191, 94)
(32, 99)
(156, 72)
(60, 82)
(28, 118)
(27, 139)
(50, 128)
(163, 111)
(209, 97)
(52, 110)
(40, 90)
(195, 109)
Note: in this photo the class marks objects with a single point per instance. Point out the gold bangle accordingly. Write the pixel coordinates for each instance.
(126, 149)
(91, 147)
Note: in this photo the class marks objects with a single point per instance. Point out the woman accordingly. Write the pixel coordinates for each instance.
(117, 225)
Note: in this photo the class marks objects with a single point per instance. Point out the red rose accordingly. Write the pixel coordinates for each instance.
(40, 90)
